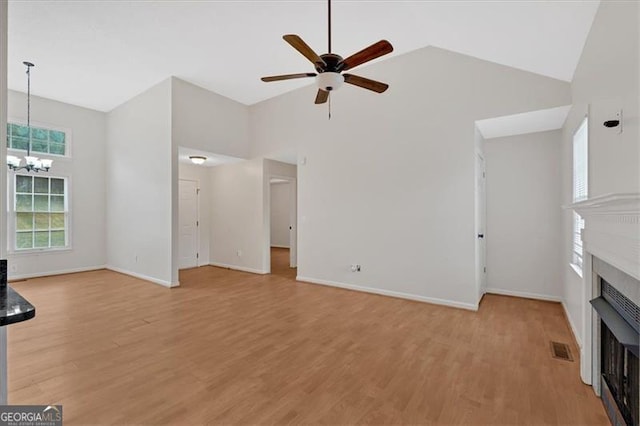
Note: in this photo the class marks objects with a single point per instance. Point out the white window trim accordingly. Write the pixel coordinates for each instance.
(584, 122)
(68, 138)
(11, 218)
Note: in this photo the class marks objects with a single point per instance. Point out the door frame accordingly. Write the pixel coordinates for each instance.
(197, 182)
(481, 223)
(293, 220)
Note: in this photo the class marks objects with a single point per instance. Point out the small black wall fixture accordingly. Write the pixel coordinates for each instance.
(615, 122)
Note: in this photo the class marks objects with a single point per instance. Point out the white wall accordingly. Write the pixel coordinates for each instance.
(203, 177)
(204, 120)
(280, 214)
(389, 181)
(141, 187)
(237, 220)
(606, 79)
(524, 227)
(85, 169)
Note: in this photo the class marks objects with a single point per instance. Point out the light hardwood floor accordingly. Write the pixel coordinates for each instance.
(235, 348)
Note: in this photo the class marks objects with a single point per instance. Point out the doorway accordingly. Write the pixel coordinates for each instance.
(188, 217)
(283, 226)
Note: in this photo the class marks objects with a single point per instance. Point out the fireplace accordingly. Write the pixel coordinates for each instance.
(610, 335)
(620, 384)
(619, 347)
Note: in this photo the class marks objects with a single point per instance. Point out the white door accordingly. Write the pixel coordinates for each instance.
(188, 219)
(293, 224)
(481, 209)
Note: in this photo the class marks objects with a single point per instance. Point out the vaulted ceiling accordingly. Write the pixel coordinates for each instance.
(99, 54)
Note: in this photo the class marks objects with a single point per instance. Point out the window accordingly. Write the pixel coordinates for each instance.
(580, 186)
(40, 212)
(45, 141)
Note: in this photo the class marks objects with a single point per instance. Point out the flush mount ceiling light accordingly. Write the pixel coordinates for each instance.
(330, 65)
(32, 164)
(197, 159)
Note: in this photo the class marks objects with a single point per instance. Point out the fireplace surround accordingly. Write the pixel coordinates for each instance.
(611, 300)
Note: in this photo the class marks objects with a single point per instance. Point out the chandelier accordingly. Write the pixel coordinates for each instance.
(32, 164)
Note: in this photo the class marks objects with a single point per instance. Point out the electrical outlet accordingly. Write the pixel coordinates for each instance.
(239, 253)
(13, 268)
(355, 268)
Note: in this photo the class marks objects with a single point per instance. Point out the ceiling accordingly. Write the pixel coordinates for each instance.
(99, 54)
(520, 124)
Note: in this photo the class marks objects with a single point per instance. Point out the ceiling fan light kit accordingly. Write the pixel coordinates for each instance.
(329, 66)
(329, 81)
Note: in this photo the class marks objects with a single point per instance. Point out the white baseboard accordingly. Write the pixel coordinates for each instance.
(52, 273)
(279, 246)
(390, 293)
(238, 268)
(572, 326)
(143, 277)
(524, 294)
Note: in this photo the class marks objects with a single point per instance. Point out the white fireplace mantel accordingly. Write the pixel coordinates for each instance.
(612, 234)
(612, 230)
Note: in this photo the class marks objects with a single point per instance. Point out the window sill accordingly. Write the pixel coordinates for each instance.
(576, 269)
(31, 252)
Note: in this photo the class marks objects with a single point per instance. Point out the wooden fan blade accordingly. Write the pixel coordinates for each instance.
(302, 47)
(288, 76)
(374, 51)
(322, 96)
(366, 83)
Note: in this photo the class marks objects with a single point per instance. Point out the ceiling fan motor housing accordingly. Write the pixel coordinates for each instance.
(329, 81)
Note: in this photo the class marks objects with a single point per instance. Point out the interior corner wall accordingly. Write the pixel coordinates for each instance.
(204, 120)
(237, 218)
(524, 217)
(388, 182)
(202, 175)
(606, 80)
(85, 169)
(141, 176)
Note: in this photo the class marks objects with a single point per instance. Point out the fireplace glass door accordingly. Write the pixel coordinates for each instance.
(622, 375)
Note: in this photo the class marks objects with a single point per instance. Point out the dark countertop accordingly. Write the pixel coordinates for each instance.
(13, 307)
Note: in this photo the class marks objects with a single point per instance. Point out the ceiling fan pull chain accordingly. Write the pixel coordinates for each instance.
(329, 107)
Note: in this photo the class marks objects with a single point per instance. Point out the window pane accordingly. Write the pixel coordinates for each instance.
(57, 239)
(23, 184)
(41, 203)
(56, 136)
(57, 186)
(24, 240)
(42, 239)
(39, 134)
(56, 148)
(19, 143)
(18, 130)
(24, 203)
(24, 221)
(41, 185)
(39, 146)
(57, 203)
(57, 220)
(42, 221)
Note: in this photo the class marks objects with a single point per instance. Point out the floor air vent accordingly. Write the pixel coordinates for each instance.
(561, 351)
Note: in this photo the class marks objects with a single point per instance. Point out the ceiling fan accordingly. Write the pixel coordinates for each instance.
(330, 66)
